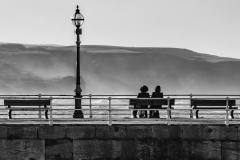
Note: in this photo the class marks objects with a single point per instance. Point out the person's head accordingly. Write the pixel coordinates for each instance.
(158, 89)
(144, 89)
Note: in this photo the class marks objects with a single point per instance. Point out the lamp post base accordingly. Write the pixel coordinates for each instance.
(77, 115)
(78, 105)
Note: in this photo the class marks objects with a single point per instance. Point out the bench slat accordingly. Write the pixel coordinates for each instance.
(26, 102)
(29, 109)
(197, 102)
(214, 107)
(151, 102)
(162, 102)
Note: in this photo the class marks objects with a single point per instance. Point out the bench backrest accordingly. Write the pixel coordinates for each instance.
(8, 102)
(216, 102)
(151, 102)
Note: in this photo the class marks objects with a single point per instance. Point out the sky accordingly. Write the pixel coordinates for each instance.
(204, 26)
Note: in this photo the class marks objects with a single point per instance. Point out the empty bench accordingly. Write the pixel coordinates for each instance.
(212, 104)
(153, 102)
(28, 106)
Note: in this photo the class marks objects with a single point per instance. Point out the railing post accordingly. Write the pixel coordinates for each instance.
(191, 111)
(168, 111)
(39, 111)
(90, 105)
(50, 109)
(109, 112)
(227, 109)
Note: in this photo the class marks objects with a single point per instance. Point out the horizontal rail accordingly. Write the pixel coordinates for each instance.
(120, 95)
(45, 98)
(112, 113)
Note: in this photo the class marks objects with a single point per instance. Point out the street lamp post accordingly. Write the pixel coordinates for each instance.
(77, 20)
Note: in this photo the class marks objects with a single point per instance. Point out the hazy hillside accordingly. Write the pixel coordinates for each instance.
(28, 69)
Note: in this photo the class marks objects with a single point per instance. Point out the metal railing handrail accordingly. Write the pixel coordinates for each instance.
(110, 104)
(104, 98)
(107, 95)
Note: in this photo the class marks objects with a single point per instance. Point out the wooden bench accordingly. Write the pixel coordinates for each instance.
(32, 103)
(153, 102)
(212, 104)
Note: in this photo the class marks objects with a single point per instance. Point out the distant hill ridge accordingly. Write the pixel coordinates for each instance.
(114, 70)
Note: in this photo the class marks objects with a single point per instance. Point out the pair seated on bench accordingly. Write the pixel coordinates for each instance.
(152, 102)
(212, 104)
(142, 105)
(26, 103)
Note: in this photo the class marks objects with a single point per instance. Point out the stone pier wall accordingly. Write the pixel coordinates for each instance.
(119, 142)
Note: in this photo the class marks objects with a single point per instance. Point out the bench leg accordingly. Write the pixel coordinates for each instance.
(196, 114)
(231, 114)
(151, 114)
(134, 113)
(145, 114)
(157, 114)
(46, 113)
(9, 113)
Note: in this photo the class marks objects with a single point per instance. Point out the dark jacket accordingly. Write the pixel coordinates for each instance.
(156, 95)
(143, 95)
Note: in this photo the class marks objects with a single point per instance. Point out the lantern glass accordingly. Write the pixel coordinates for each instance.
(77, 19)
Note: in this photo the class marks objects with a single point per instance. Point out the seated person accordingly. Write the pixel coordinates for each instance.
(142, 94)
(156, 94)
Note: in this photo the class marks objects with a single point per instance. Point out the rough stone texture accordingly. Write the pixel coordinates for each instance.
(238, 132)
(22, 132)
(231, 150)
(96, 149)
(206, 132)
(148, 142)
(201, 132)
(129, 145)
(80, 132)
(146, 149)
(159, 132)
(51, 132)
(22, 149)
(151, 149)
(139, 132)
(3, 132)
(159, 149)
(208, 150)
(228, 132)
(111, 132)
(123, 149)
(167, 132)
(176, 150)
(59, 149)
(143, 149)
(196, 150)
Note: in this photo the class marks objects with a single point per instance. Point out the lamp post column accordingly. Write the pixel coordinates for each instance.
(78, 90)
(77, 20)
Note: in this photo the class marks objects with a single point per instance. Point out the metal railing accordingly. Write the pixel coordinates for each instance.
(116, 108)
